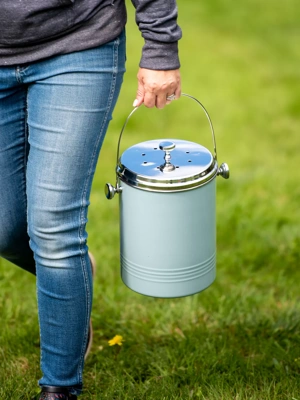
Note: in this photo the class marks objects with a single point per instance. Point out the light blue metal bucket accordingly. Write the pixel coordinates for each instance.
(167, 199)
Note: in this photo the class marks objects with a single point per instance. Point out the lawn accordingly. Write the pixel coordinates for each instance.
(240, 338)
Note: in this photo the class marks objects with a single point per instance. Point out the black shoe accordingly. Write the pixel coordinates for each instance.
(55, 393)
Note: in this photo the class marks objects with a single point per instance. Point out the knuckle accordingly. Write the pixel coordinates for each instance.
(153, 87)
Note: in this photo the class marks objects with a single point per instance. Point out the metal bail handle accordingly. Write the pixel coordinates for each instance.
(223, 170)
(182, 94)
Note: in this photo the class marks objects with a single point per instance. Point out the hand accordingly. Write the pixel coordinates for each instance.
(154, 86)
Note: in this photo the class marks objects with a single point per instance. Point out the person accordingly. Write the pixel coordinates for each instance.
(61, 69)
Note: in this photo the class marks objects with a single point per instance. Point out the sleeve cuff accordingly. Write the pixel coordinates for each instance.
(160, 56)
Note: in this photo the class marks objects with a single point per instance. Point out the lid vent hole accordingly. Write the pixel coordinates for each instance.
(189, 160)
(143, 154)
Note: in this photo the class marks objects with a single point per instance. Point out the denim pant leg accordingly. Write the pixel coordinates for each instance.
(14, 240)
(70, 99)
(68, 115)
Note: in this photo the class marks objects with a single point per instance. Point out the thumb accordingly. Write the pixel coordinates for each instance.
(139, 99)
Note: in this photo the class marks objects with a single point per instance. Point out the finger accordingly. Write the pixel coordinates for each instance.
(177, 92)
(149, 99)
(140, 93)
(164, 98)
(173, 96)
(161, 100)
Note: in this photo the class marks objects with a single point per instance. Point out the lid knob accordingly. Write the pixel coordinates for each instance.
(167, 147)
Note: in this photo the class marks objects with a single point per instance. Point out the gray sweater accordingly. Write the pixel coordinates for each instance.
(31, 30)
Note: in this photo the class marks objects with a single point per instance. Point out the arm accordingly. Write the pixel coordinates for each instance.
(158, 76)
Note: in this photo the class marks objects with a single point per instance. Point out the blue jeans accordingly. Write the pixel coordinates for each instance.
(53, 118)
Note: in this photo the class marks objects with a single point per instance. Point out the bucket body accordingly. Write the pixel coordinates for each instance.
(168, 240)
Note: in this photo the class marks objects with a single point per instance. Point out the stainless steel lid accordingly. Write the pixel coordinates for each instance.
(167, 165)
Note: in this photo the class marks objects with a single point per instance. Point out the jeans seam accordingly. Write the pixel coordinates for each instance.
(25, 156)
(26, 135)
(85, 189)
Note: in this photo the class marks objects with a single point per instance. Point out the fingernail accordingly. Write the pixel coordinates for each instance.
(135, 103)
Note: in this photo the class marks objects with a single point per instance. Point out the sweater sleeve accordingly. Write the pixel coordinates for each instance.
(157, 21)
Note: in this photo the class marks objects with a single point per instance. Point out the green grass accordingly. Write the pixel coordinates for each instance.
(239, 339)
